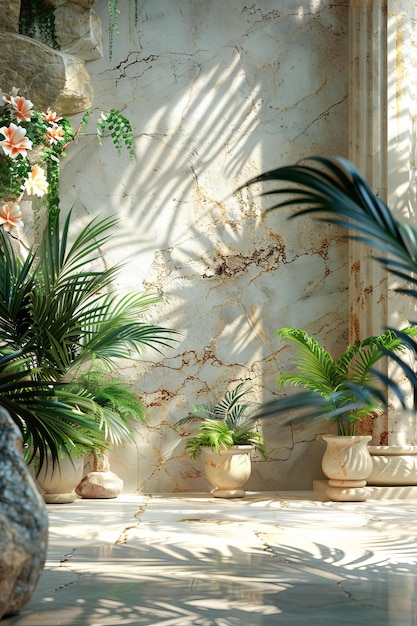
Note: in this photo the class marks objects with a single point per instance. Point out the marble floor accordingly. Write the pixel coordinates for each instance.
(191, 560)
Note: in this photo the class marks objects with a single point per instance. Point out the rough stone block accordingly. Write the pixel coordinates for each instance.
(100, 485)
(48, 77)
(79, 32)
(9, 15)
(23, 523)
(87, 4)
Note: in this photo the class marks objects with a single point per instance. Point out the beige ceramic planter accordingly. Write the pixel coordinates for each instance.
(228, 470)
(59, 484)
(347, 464)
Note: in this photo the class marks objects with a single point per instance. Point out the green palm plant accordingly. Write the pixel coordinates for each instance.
(50, 419)
(335, 380)
(229, 422)
(57, 310)
(335, 191)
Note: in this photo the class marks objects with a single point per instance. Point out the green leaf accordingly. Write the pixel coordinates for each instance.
(227, 423)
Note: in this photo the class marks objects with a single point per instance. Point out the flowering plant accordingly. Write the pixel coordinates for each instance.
(58, 313)
(36, 172)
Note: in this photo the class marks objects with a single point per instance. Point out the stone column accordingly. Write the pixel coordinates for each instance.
(382, 94)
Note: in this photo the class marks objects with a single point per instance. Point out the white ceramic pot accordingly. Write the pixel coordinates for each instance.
(227, 470)
(347, 464)
(59, 483)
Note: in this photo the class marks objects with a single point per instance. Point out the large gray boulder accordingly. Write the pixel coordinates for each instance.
(23, 523)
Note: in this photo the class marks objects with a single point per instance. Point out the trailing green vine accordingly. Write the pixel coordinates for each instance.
(119, 129)
(37, 20)
(114, 14)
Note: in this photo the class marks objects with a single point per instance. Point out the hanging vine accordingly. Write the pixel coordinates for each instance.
(37, 20)
(119, 129)
(114, 13)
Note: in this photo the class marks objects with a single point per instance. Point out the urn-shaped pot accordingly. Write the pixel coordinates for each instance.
(347, 464)
(60, 480)
(227, 470)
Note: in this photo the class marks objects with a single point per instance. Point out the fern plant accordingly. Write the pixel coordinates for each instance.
(230, 422)
(335, 380)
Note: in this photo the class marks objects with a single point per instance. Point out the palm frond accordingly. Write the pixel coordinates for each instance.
(49, 418)
(61, 307)
(212, 433)
(228, 422)
(117, 404)
(335, 187)
(313, 362)
(229, 409)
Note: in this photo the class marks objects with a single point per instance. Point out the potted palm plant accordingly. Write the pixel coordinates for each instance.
(336, 380)
(117, 402)
(59, 310)
(346, 461)
(226, 437)
(335, 191)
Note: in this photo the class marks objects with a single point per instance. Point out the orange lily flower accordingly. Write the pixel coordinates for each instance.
(51, 116)
(55, 134)
(36, 183)
(21, 108)
(15, 142)
(10, 216)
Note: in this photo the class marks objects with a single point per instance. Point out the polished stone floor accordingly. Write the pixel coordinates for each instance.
(190, 560)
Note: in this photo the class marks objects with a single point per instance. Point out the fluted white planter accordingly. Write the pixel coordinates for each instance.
(228, 470)
(347, 464)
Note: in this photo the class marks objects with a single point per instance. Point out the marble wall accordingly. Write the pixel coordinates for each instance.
(216, 93)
